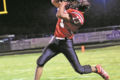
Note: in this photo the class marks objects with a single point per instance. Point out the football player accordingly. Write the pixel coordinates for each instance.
(70, 18)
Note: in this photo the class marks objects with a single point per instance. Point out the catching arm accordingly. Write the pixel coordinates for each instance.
(61, 14)
(56, 3)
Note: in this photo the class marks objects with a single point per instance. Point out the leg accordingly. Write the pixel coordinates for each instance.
(73, 59)
(93, 69)
(49, 52)
(69, 52)
(38, 73)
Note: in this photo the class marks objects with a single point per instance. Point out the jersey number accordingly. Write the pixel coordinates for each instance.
(62, 24)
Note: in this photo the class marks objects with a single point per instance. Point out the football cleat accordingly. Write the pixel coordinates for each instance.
(102, 72)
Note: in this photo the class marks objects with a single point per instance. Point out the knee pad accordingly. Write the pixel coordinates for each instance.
(40, 63)
(87, 69)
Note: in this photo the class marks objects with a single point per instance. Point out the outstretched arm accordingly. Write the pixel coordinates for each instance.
(61, 14)
(56, 3)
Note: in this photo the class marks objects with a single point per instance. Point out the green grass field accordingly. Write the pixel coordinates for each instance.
(22, 67)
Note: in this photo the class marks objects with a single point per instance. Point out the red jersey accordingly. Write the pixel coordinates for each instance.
(66, 29)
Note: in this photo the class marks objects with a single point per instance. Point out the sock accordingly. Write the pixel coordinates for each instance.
(96, 70)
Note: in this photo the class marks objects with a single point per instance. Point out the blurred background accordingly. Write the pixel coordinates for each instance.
(37, 18)
(26, 27)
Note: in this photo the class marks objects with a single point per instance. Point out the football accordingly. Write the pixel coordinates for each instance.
(77, 17)
(78, 20)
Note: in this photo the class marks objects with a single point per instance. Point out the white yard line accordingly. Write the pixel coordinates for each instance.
(70, 77)
(24, 70)
(1, 65)
(20, 79)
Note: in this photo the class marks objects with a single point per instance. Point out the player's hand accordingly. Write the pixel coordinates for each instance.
(64, 3)
(65, 0)
(85, 3)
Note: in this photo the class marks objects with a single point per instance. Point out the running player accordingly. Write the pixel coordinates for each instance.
(68, 21)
